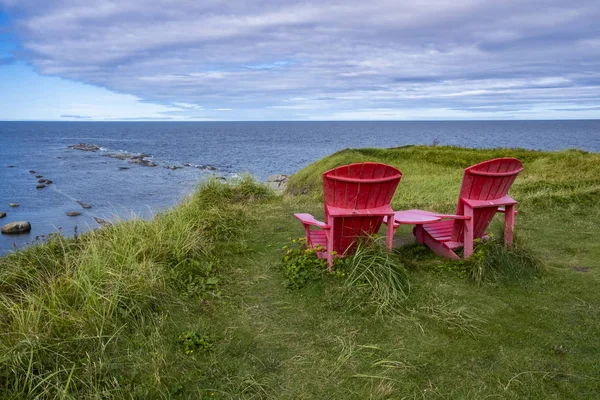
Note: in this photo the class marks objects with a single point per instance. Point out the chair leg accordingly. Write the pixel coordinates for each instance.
(389, 234)
(330, 245)
(307, 232)
(468, 232)
(509, 224)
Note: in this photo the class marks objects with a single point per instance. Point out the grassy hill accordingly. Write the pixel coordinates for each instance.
(194, 303)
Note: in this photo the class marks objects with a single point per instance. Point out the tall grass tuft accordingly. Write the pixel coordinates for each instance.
(492, 261)
(244, 189)
(379, 274)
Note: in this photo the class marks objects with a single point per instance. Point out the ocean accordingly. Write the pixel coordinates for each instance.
(116, 188)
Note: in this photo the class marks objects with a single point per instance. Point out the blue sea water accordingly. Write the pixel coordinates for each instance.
(260, 148)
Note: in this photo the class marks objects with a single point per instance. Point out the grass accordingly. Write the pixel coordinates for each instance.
(378, 273)
(194, 304)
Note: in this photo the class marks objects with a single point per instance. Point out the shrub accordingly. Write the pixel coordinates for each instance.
(190, 342)
(301, 265)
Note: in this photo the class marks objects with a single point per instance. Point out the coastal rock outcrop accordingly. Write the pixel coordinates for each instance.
(84, 147)
(119, 156)
(73, 213)
(16, 227)
(141, 160)
(2, 214)
(277, 182)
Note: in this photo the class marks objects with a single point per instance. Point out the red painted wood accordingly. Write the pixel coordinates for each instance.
(483, 181)
(308, 219)
(484, 188)
(509, 223)
(356, 199)
(416, 217)
(438, 247)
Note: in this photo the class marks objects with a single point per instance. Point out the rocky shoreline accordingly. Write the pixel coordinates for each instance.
(276, 182)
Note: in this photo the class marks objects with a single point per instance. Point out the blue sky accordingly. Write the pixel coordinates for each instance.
(292, 60)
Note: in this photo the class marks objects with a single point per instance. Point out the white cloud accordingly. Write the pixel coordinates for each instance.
(269, 59)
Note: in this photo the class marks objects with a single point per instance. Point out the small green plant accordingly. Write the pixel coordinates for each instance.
(195, 277)
(191, 342)
(301, 265)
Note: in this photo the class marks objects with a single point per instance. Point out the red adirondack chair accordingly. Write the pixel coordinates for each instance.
(483, 193)
(357, 197)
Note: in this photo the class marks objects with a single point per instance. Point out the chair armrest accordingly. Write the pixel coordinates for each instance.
(424, 216)
(308, 219)
(452, 216)
(502, 210)
(502, 201)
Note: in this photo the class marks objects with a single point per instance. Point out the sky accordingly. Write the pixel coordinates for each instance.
(299, 60)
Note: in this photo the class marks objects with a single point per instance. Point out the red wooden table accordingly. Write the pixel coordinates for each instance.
(416, 217)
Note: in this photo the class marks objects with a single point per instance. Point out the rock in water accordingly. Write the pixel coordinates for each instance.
(40, 186)
(141, 160)
(83, 205)
(102, 222)
(206, 166)
(277, 182)
(14, 205)
(73, 213)
(10, 166)
(2, 214)
(16, 227)
(31, 171)
(48, 181)
(41, 180)
(120, 156)
(39, 176)
(84, 147)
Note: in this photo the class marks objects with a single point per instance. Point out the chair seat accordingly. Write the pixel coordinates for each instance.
(440, 231)
(318, 238)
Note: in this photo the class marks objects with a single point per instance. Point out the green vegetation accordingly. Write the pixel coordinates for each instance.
(201, 303)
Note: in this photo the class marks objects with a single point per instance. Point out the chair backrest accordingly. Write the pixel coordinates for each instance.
(358, 186)
(488, 180)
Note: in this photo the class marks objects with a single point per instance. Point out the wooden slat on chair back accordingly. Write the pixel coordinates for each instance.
(358, 186)
(489, 180)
